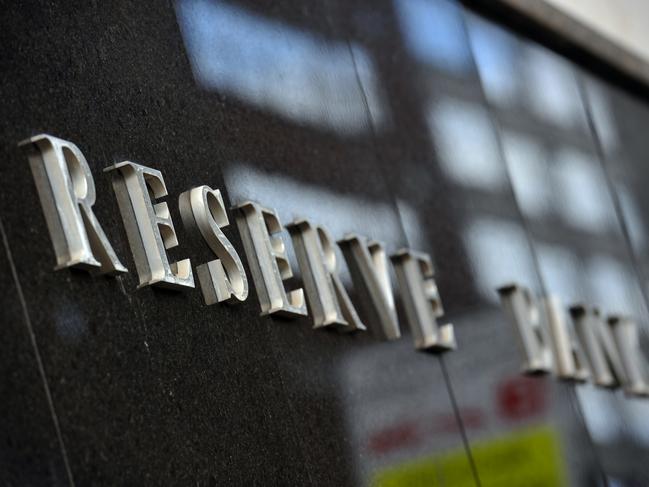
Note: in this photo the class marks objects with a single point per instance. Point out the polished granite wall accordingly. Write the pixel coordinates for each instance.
(414, 122)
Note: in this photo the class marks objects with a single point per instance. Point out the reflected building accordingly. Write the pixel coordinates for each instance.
(416, 124)
(294, 73)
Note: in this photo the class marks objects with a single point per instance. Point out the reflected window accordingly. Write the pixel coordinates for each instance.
(585, 201)
(466, 143)
(528, 172)
(560, 271)
(612, 285)
(276, 67)
(413, 224)
(600, 413)
(500, 254)
(340, 213)
(494, 53)
(552, 92)
(434, 34)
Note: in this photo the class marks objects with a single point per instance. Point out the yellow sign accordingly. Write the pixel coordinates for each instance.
(528, 458)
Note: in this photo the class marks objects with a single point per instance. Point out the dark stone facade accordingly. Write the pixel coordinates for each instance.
(395, 120)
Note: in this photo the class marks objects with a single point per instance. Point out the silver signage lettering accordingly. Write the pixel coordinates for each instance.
(268, 262)
(608, 349)
(548, 341)
(328, 300)
(613, 350)
(421, 300)
(625, 333)
(524, 313)
(568, 357)
(67, 193)
(223, 279)
(149, 227)
(368, 265)
(598, 343)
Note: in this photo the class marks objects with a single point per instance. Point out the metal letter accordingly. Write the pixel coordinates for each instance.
(67, 193)
(548, 342)
(598, 343)
(523, 311)
(328, 300)
(269, 265)
(613, 350)
(625, 333)
(368, 265)
(568, 357)
(223, 279)
(149, 227)
(421, 300)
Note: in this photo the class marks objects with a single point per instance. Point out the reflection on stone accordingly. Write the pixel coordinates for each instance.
(500, 254)
(580, 184)
(636, 412)
(402, 432)
(69, 322)
(340, 213)
(602, 419)
(526, 161)
(433, 33)
(495, 56)
(611, 284)
(552, 91)
(294, 73)
(588, 260)
(632, 217)
(395, 408)
(561, 271)
(467, 143)
(600, 109)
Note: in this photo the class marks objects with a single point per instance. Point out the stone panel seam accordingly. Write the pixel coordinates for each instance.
(39, 360)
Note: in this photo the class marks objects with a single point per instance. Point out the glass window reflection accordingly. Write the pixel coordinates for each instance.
(433, 33)
(500, 254)
(552, 91)
(581, 185)
(528, 172)
(467, 144)
(289, 71)
(495, 56)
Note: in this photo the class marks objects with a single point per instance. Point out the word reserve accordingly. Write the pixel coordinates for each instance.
(607, 351)
(67, 192)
